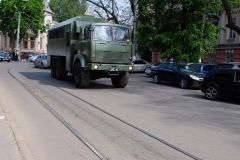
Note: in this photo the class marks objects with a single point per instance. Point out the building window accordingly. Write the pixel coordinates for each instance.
(212, 58)
(229, 57)
(32, 39)
(25, 44)
(232, 33)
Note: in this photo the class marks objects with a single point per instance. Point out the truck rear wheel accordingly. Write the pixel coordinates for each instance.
(121, 80)
(60, 71)
(81, 78)
(53, 68)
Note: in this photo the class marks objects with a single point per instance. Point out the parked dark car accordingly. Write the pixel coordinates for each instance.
(26, 55)
(183, 75)
(203, 68)
(221, 83)
(149, 69)
(231, 65)
(4, 57)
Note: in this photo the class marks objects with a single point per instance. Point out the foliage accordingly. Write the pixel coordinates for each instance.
(180, 29)
(32, 18)
(66, 9)
(119, 12)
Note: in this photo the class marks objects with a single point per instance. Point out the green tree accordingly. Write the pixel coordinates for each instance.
(182, 29)
(66, 9)
(32, 19)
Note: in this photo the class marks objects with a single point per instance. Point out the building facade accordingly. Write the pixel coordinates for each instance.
(228, 48)
(36, 45)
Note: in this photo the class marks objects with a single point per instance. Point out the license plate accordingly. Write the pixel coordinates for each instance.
(113, 69)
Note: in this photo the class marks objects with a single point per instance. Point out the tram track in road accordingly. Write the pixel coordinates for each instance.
(103, 111)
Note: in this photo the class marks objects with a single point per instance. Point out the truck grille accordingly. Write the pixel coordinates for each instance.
(112, 57)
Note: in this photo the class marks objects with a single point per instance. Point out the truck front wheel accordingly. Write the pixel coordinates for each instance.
(60, 71)
(81, 78)
(121, 80)
(53, 68)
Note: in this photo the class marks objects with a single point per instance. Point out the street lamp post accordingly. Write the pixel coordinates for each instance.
(19, 19)
(18, 29)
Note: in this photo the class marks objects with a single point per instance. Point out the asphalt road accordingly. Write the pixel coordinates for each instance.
(105, 117)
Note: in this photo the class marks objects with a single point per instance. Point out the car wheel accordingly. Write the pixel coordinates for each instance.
(81, 78)
(156, 78)
(212, 93)
(183, 83)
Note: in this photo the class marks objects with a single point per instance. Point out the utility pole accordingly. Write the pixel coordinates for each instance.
(134, 28)
(18, 28)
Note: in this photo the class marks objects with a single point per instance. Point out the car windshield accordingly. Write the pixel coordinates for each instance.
(44, 57)
(186, 68)
(2, 54)
(196, 66)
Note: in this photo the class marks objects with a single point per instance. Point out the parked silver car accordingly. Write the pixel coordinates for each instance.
(41, 61)
(139, 65)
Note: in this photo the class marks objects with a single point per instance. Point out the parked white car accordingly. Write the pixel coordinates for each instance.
(32, 59)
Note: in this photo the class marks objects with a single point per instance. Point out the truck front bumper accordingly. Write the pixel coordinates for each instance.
(109, 67)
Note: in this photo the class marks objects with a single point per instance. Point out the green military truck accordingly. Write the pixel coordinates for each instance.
(90, 49)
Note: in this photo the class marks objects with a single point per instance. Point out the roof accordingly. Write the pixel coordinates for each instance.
(46, 7)
(79, 18)
(228, 63)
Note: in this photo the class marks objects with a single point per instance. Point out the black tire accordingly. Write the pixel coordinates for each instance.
(81, 78)
(183, 83)
(121, 80)
(42, 66)
(53, 68)
(156, 78)
(60, 71)
(212, 93)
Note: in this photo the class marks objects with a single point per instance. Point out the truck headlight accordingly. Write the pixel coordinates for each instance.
(95, 66)
(131, 68)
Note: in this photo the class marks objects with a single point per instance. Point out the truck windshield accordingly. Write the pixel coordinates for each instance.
(120, 34)
(104, 33)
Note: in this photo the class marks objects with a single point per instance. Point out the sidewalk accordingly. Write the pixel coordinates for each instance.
(8, 147)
